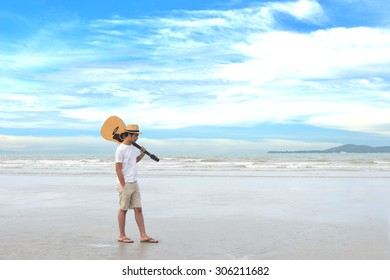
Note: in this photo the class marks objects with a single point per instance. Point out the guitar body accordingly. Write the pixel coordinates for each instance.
(113, 129)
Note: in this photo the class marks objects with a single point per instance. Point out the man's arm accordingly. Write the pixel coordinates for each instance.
(118, 169)
(142, 154)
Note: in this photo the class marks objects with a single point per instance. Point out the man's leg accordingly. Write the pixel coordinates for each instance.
(139, 218)
(122, 224)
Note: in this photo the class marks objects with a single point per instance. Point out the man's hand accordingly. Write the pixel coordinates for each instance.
(141, 155)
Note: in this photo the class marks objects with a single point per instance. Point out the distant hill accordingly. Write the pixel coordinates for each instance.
(348, 148)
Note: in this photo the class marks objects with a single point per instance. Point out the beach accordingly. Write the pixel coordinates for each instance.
(50, 212)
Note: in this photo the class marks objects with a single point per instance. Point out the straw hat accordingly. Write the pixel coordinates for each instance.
(133, 128)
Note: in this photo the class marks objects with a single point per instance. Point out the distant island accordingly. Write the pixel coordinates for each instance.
(348, 148)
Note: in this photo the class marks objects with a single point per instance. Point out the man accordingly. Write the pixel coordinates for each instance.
(126, 158)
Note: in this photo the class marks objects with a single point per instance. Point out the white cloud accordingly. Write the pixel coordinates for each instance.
(165, 147)
(355, 117)
(190, 146)
(305, 10)
(325, 54)
(210, 67)
(54, 145)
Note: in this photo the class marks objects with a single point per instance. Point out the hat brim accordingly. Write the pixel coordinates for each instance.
(134, 131)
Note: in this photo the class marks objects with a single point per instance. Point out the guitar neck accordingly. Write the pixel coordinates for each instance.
(139, 148)
(153, 157)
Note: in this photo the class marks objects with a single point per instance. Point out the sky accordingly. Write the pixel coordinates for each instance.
(199, 77)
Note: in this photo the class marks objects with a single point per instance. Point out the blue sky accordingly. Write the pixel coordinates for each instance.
(221, 76)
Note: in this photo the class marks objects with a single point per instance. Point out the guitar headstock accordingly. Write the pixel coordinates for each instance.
(154, 157)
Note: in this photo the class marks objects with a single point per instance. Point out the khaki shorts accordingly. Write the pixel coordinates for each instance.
(129, 196)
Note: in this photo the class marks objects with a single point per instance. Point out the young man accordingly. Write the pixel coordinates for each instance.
(126, 158)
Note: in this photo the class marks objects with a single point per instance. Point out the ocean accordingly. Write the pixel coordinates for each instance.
(264, 207)
(263, 165)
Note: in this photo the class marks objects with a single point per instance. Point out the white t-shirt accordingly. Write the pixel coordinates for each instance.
(127, 155)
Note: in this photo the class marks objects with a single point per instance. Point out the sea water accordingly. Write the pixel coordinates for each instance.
(338, 164)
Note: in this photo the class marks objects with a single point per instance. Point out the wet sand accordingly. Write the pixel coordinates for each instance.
(195, 218)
